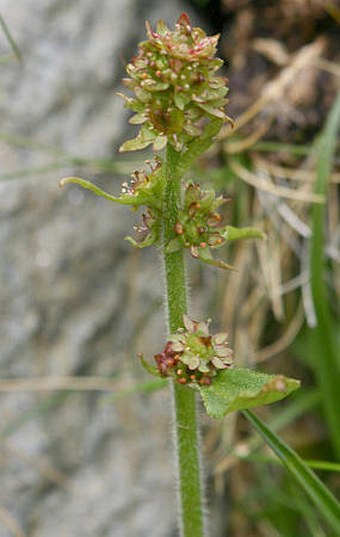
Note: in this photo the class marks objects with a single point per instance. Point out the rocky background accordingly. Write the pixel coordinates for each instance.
(76, 300)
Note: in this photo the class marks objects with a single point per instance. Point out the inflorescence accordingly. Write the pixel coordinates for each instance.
(175, 86)
(193, 355)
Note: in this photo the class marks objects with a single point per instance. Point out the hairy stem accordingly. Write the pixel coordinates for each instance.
(187, 441)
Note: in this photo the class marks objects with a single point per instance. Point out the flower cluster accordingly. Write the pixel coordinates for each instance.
(199, 226)
(176, 90)
(193, 355)
(140, 179)
(145, 187)
(199, 223)
(147, 231)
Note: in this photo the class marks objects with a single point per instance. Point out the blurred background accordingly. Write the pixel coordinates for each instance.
(85, 445)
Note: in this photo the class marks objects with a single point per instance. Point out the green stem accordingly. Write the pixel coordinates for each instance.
(190, 489)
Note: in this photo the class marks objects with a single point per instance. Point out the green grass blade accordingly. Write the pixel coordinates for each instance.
(10, 39)
(149, 386)
(29, 172)
(325, 466)
(119, 166)
(292, 149)
(326, 363)
(323, 499)
(41, 408)
(44, 406)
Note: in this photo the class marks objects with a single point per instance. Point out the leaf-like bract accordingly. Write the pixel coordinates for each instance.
(240, 389)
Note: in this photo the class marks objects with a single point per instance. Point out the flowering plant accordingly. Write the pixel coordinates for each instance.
(179, 101)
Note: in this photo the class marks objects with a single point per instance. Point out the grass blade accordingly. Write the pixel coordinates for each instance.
(270, 147)
(326, 363)
(148, 386)
(325, 466)
(323, 499)
(14, 46)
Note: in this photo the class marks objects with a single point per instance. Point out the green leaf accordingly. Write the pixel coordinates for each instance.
(210, 108)
(326, 363)
(323, 499)
(239, 389)
(137, 119)
(231, 233)
(135, 144)
(144, 138)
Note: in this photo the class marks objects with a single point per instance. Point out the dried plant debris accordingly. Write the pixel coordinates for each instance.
(274, 41)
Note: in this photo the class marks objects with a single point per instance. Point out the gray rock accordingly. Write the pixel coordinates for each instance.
(75, 298)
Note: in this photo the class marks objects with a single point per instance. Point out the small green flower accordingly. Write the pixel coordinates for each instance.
(148, 231)
(146, 187)
(199, 222)
(193, 355)
(199, 226)
(175, 86)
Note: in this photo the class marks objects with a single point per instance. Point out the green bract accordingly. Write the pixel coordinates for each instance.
(240, 389)
(175, 86)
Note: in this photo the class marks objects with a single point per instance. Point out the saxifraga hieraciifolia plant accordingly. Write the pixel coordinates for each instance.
(179, 103)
